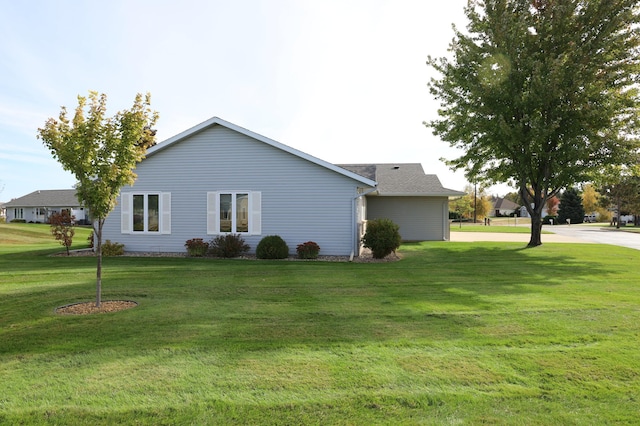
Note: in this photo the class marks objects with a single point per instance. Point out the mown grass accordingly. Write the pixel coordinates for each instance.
(455, 227)
(20, 237)
(455, 333)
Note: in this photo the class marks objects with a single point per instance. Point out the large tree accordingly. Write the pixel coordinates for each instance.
(102, 153)
(621, 192)
(540, 94)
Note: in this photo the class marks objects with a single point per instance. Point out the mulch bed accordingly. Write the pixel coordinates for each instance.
(365, 256)
(86, 308)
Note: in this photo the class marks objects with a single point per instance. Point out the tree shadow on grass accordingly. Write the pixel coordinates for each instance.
(436, 293)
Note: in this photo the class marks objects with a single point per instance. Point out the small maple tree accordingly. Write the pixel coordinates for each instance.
(62, 228)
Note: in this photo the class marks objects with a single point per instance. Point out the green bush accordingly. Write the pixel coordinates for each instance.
(18, 221)
(382, 237)
(272, 247)
(112, 249)
(229, 245)
(196, 247)
(308, 250)
(547, 220)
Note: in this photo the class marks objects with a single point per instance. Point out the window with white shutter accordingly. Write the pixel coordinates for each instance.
(145, 213)
(237, 212)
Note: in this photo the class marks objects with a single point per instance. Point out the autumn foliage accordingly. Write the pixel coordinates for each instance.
(62, 228)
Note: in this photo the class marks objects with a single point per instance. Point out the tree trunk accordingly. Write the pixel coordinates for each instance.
(536, 229)
(534, 203)
(97, 238)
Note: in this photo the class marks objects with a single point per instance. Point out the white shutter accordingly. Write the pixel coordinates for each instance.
(255, 223)
(212, 213)
(126, 220)
(166, 212)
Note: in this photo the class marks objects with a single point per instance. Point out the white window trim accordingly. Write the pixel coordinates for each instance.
(254, 213)
(164, 213)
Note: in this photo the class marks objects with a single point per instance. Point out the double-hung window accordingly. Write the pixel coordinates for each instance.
(236, 212)
(146, 213)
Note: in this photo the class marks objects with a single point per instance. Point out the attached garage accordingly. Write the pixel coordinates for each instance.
(419, 218)
(417, 202)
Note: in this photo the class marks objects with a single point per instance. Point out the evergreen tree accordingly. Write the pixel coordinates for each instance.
(571, 207)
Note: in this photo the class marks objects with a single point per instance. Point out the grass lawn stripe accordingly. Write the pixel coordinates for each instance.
(453, 333)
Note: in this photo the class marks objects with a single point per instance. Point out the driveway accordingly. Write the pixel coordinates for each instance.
(561, 234)
(598, 234)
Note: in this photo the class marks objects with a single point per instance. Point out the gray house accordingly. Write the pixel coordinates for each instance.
(219, 178)
(38, 206)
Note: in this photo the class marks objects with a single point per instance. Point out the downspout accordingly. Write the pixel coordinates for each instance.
(446, 236)
(354, 227)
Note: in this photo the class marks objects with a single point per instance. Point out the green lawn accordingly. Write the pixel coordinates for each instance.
(454, 333)
(455, 227)
(498, 225)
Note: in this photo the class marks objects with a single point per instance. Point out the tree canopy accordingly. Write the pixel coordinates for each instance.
(101, 152)
(540, 94)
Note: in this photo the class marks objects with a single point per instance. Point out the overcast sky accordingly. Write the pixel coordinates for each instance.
(342, 80)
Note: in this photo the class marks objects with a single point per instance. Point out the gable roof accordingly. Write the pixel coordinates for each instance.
(220, 122)
(402, 179)
(47, 198)
(500, 203)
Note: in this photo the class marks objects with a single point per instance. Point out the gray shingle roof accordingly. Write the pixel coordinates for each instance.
(47, 198)
(500, 203)
(402, 179)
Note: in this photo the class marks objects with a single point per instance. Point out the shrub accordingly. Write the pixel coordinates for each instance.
(18, 221)
(196, 247)
(382, 237)
(90, 240)
(272, 247)
(308, 250)
(228, 245)
(547, 220)
(112, 249)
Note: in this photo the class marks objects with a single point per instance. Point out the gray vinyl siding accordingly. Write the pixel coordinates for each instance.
(419, 218)
(301, 201)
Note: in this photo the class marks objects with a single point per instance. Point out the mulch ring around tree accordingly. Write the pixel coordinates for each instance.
(87, 308)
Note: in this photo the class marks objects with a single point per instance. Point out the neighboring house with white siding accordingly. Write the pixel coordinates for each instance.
(38, 206)
(219, 178)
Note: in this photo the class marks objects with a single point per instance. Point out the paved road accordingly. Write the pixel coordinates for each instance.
(561, 234)
(596, 234)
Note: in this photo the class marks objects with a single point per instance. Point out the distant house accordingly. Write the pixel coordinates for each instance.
(218, 178)
(525, 213)
(38, 206)
(504, 207)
